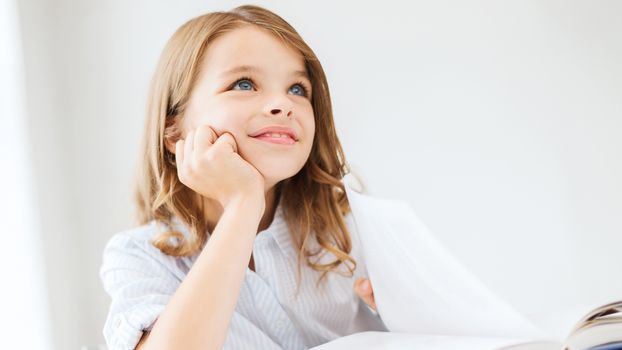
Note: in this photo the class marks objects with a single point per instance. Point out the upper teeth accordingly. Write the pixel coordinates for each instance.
(276, 135)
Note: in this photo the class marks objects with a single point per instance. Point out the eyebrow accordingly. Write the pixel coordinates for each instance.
(253, 69)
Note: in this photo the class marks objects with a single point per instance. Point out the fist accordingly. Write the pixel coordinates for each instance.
(210, 165)
(362, 288)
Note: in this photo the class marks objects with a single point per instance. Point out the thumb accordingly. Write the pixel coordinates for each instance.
(363, 287)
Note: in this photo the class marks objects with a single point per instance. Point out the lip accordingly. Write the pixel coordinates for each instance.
(277, 130)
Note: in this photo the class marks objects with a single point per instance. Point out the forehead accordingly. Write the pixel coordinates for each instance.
(251, 46)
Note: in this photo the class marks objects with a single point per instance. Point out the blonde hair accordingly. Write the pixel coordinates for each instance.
(313, 200)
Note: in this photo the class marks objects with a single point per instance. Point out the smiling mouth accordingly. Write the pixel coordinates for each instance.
(276, 138)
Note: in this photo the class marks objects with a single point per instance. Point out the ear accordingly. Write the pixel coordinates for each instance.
(172, 133)
(169, 144)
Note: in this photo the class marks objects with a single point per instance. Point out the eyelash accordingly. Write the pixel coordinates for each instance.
(303, 85)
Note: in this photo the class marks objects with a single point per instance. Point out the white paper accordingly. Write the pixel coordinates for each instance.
(401, 341)
(418, 285)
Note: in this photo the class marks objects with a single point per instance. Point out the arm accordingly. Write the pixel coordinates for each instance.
(206, 298)
(142, 341)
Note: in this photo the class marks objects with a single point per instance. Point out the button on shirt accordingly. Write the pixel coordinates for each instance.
(268, 315)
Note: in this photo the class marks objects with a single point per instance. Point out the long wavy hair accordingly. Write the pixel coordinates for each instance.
(313, 201)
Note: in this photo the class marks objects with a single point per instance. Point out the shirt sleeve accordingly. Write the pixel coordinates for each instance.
(140, 280)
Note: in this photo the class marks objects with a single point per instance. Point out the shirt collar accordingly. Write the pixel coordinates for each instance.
(280, 232)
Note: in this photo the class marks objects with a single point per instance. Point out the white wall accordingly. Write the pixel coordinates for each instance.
(498, 121)
(23, 297)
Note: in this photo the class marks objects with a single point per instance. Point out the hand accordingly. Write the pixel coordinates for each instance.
(362, 287)
(210, 165)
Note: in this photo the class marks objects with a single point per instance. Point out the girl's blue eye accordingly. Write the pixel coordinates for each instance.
(246, 84)
(243, 84)
(298, 89)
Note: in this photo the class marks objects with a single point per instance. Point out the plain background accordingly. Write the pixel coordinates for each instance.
(499, 122)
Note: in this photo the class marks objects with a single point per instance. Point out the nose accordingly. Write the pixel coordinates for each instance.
(276, 111)
(279, 104)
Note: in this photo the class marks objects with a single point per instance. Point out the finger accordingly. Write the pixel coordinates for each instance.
(372, 303)
(227, 141)
(369, 300)
(204, 137)
(179, 153)
(365, 291)
(363, 286)
(188, 145)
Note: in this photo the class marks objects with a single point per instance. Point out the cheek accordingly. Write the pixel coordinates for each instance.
(308, 124)
(222, 116)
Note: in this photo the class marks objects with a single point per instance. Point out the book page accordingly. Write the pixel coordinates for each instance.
(419, 286)
(558, 322)
(400, 341)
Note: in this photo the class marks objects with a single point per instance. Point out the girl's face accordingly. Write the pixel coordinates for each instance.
(250, 80)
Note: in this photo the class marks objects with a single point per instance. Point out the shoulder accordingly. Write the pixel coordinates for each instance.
(138, 239)
(133, 249)
(142, 237)
(140, 280)
(133, 237)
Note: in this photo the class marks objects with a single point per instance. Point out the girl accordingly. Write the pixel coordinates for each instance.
(245, 238)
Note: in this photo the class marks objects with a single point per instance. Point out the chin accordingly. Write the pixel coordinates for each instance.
(275, 165)
(277, 171)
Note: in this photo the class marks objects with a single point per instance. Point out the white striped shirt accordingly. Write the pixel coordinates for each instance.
(141, 279)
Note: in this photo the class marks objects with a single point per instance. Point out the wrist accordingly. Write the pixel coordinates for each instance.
(248, 202)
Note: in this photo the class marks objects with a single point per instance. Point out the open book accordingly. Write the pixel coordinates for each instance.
(429, 300)
(600, 329)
